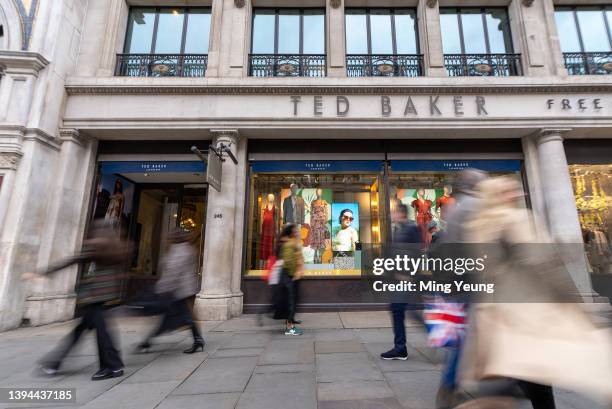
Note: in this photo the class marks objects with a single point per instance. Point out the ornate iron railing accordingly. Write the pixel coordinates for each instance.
(588, 63)
(482, 65)
(391, 65)
(287, 65)
(161, 65)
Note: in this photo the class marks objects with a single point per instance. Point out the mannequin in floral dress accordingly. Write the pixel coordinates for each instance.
(422, 208)
(268, 230)
(318, 225)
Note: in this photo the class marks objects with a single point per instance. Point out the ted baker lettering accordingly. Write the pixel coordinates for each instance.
(407, 105)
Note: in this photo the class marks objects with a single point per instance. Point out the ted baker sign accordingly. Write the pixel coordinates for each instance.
(424, 105)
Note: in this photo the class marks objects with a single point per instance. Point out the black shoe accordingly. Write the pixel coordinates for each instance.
(296, 322)
(197, 346)
(394, 354)
(107, 373)
(143, 347)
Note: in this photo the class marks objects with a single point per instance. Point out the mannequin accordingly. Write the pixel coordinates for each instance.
(293, 207)
(268, 229)
(422, 208)
(445, 202)
(318, 223)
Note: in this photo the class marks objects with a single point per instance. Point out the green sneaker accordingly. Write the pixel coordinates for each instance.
(293, 331)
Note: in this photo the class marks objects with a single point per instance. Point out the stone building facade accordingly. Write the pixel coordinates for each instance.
(100, 102)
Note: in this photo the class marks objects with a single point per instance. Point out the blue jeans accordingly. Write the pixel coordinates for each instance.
(449, 374)
(398, 312)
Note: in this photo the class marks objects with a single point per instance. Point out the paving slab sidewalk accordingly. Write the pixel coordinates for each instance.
(334, 365)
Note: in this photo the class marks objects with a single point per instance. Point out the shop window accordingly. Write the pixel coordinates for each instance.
(425, 188)
(381, 31)
(593, 192)
(336, 204)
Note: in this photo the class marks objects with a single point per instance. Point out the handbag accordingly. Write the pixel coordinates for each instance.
(445, 322)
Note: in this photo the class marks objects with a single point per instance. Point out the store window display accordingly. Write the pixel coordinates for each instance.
(336, 211)
(593, 193)
(425, 188)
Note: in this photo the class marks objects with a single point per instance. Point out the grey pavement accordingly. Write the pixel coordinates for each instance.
(334, 365)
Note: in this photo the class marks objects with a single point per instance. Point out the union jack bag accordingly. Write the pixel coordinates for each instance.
(445, 323)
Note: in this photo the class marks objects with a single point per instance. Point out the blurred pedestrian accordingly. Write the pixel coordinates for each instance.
(406, 239)
(285, 297)
(530, 330)
(177, 285)
(102, 260)
(452, 241)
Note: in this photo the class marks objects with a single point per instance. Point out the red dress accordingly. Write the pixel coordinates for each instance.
(444, 203)
(268, 231)
(423, 217)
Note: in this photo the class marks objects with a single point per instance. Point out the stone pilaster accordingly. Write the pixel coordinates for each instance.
(336, 39)
(561, 212)
(229, 38)
(430, 35)
(53, 299)
(116, 23)
(220, 298)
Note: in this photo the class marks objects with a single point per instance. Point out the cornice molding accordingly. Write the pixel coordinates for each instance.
(334, 90)
(72, 135)
(40, 136)
(551, 134)
(22, 62)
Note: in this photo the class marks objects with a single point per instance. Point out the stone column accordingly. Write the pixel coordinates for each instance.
(229, 39)
(336, 39)
(430, 36)
(53, 299)
(562, 215)
(220, 298)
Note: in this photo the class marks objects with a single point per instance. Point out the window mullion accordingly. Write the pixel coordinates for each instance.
(575, 14)
(155, 24)
(301, 49)
(276, 23)
(184, 34)
(368, 31)
(605, 18)
(460, 25)
(486, 31)
(393, 33)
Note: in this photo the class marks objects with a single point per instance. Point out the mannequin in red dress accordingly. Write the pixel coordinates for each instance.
(445, 202)
(268, 230)
(422, 208)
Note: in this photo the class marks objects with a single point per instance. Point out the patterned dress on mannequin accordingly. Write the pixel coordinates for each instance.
(318, 224)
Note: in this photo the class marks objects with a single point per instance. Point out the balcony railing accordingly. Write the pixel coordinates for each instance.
(287, 65)
(588, 63)
(161, 65)
(482, 65)
(399, 65)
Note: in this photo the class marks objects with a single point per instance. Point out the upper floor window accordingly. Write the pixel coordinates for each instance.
(288, 31)
(168, 31)
(382, 42)
(288, 42)
(477, 42)
(381, 31)
(586, 42)
(165, 42)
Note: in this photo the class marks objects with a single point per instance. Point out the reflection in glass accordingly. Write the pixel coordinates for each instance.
(405, 32)
(314, 32)
(381, 35)
(170, 31)
(566, 27)
(451, 38)
(593, 30)
(263, 32)
(356, 33)
(288, 32)
(198, 29)
(499, 36)
(140, 31)
(473, 32)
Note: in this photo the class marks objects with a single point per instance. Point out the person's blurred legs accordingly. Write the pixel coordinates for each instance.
(446, 393)
(51, 362)
(399, 351)
(541, 396)
(182, 307)
(111, 365)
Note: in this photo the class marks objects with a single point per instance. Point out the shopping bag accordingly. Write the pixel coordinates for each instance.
(445, 322)
(275, 272)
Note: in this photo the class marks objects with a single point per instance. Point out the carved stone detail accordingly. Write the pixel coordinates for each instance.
(431, 3)
(551, 134)
(9, 160)
(527, 3)
(72, 135)
(239, 3)
(335, 3)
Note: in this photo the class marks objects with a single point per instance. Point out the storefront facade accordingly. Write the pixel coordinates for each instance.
(330, 135)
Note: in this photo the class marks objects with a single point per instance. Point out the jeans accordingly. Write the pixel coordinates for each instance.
(398, 312)
(449, 374)
(93, 318)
